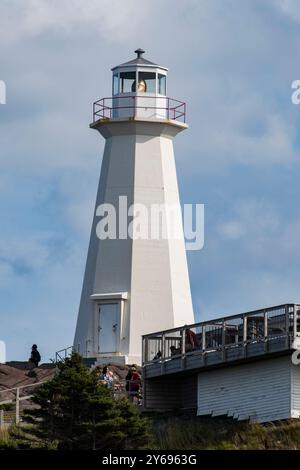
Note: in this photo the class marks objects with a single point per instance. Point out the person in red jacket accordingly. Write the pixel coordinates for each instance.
(135, 385)
(191, 340)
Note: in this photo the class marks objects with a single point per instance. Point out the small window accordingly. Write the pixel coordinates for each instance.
(127, 82)
(162, 84)
(146, 82)
(115, 84)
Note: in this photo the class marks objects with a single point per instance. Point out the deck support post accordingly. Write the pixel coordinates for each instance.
(182, 348)
(223, 340)
(295, 321)
(245, 334)
(163, 355)
(146, 350)
(163, 347)
(203, 344)
(183, 341)
(265, 330)
(287, 325)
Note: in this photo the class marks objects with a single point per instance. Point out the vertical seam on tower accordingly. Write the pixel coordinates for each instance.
(129, 305)
(168, 244)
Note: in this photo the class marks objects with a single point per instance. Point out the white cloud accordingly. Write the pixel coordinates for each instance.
(232, 62)
(232, 230)
(111, 19)
(253, 218)
(7, 276)
(262, 234)
(289, 8)
(23, 253)
(80, 200)
(240, 124)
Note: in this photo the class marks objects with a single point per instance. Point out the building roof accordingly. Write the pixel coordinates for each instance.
(139, 60)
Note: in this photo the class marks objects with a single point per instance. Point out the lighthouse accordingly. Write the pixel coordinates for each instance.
(136, 279)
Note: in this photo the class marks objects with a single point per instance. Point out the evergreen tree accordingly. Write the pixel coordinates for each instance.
(78, 412)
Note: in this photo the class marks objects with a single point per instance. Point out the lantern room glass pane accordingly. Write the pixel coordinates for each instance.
(115, 84)
(127, 82)
(147, 82)
(162, 82)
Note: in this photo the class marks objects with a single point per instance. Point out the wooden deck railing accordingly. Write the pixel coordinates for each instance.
(279, 324)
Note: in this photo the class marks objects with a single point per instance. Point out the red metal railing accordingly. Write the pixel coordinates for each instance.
(165, 107)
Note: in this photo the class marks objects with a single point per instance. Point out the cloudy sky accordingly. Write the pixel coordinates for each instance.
(233, 61)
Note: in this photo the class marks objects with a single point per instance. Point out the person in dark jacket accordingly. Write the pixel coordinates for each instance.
(35, 356)
(128, 378)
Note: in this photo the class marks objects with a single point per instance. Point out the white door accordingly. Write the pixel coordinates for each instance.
(109, 327)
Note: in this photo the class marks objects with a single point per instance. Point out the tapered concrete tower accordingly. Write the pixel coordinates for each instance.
(136, 279)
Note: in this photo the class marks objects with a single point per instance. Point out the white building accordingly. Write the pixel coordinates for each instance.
(245, 366)
(133, 286)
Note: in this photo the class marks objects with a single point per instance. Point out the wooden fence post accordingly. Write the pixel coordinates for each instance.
(18, 406)
(1, 419)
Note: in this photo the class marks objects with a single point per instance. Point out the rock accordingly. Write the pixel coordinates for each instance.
(20, 376)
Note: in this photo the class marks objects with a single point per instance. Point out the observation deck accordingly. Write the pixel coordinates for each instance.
(223, 341)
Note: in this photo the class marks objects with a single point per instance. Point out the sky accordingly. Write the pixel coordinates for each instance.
(233, 62)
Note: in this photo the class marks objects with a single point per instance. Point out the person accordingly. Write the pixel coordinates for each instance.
(128, 378)
(174, 351)
(135, 385)
(35, 356)
(157, 356)
(106, 377)
(191, 340)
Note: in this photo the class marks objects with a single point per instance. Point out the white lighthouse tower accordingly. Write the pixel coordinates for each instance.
(135, 285)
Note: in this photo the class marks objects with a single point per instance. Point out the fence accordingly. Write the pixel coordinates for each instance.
(280, 323)
(13, 417)
(8, 417)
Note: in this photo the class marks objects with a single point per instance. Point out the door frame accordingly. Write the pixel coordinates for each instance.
(102, 299)
(117, 347)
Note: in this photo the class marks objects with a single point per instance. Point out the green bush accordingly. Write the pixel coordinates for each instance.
(75, 411)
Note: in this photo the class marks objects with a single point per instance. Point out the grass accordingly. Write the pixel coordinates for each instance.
(190, 433)
(6, 441)
(20, 437)
(182, 433)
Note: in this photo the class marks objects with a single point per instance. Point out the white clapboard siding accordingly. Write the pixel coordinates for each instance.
(264, 391)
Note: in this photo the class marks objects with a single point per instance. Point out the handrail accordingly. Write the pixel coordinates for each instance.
(220, 319)
(66, 352)
(259, 339)
(22, 386)
(104, 108)
(263, 325)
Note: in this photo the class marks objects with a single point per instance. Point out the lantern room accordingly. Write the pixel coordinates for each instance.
(139, 89)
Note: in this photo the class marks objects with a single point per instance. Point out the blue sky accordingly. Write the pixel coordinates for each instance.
(233, 62)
